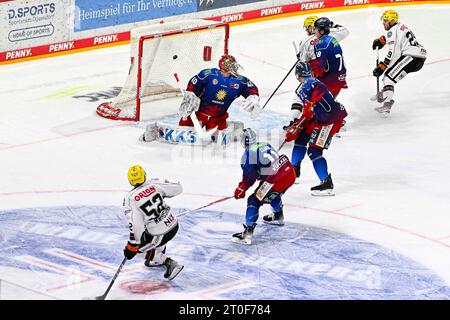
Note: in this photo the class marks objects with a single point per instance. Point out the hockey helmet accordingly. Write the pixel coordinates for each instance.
(303, 69)
(136, 175)
(248, 137)
(228, 63)
(309, 22)
(390, 15)
(323, 24)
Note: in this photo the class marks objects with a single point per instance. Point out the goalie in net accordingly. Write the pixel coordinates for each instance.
(207, 99)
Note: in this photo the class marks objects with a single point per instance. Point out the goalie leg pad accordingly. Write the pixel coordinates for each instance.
(151, 132)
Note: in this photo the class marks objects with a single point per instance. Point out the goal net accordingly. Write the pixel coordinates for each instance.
(160, 51)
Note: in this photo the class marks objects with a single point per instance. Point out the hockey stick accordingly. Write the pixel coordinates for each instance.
(206, 205)
(103, 296)
(295, 47)
(280, 84)
(378, 78)
(281, 145)
(204, 135)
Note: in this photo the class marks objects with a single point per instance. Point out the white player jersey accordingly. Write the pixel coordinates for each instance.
(146, 209)
(306, 46)
(402, 42)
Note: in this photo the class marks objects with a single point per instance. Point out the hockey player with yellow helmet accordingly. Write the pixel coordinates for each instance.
(405, 55)
(151, 222)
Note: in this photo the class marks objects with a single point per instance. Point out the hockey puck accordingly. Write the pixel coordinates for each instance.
(174, 57)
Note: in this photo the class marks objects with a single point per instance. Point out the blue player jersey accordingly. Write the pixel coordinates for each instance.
(329, 66)
(327, 110)
(218, 92)
(261, 162)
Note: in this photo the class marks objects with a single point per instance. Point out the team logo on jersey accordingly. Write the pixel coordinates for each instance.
(215, 82)
(389, 34)
(221, 94)
(234, 86)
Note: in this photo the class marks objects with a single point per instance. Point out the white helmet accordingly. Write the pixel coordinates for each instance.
(248, 137)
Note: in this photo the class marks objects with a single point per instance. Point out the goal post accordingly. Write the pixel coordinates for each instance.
(158, 52)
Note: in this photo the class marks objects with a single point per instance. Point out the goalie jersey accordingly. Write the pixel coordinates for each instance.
(146, 210)
(217, 92)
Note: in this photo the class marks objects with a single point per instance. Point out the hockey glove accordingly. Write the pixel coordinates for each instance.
(379, 43)
(378, 71)
(294, 130)
(285, 128)
(239, 193)
(189, 104)
(251, 104)
(130, 250)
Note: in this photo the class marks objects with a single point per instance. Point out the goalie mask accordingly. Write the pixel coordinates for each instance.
(136, 175)
(248, 137)
(229, 64)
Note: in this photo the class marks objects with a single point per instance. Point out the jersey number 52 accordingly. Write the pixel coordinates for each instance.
(154, 206)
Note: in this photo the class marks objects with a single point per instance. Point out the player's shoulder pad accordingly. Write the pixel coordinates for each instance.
(324, 42)
(160, 181)
(208, 72)
(246, 81)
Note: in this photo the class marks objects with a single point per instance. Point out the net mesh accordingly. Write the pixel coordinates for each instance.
(165, 52)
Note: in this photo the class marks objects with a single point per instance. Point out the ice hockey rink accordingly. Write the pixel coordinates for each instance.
(385, 235)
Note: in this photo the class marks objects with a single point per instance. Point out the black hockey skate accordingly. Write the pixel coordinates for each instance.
(275, 218)
(244, 237)
(297, 172)
(325, 188)
(173, 268)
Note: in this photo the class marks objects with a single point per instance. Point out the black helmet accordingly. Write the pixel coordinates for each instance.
(303, 69)
(323, 24)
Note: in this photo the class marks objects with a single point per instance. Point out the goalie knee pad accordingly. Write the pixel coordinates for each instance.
(151, 132)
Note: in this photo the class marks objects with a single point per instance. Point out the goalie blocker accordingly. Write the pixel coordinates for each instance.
(175, 134)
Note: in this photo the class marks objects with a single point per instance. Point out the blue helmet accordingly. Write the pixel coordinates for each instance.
(323, 24)
(303, 69)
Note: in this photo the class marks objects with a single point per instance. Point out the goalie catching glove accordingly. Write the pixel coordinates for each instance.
(251, 104)
(189, 104)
